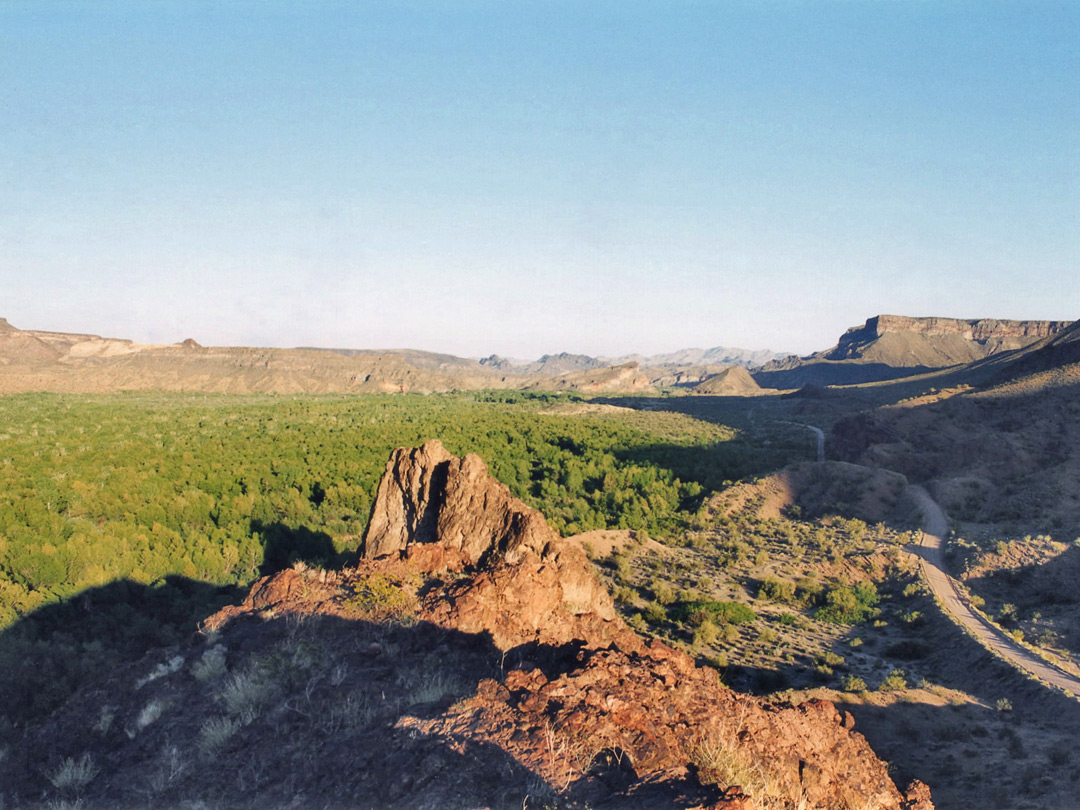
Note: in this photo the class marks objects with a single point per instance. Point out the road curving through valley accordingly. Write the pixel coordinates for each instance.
(931, 553)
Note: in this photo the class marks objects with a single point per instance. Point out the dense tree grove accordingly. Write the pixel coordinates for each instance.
(95, 489)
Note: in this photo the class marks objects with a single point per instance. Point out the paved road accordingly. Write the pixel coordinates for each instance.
(932, 555)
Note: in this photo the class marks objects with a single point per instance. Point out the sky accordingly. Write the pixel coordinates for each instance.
(534, 177)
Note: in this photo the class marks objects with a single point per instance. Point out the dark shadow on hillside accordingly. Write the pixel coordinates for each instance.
(284, 545)
(339, 722)
(835, 373)
(48, 653)
(713, 467)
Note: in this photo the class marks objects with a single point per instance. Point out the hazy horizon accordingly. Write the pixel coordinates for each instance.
(524, 179)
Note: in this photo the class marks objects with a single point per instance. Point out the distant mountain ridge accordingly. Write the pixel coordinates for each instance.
(32, 360)
(566, 363)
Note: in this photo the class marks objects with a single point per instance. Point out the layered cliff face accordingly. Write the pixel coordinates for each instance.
(891, 346)
(989, 333)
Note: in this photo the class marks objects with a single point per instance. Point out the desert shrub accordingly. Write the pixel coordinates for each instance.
(246, 693)
(849, 605)
(705, 633)
(776, 590)
(830, 659)
(211, 665)
(719, 612)
(655, 613)
(912, 617)
(664, 593)
(768, 636)
(425, 686)
(1003, 704)
(381, 598)
(149, 713)
(215, 733)
(852, 683)
(913, 589)
(894, 681)
(788, 619)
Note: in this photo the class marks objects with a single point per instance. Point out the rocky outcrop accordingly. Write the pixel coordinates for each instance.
(595, 711)
(653, 712)
(427, 495)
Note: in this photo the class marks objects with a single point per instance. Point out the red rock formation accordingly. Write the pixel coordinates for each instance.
(428, 496)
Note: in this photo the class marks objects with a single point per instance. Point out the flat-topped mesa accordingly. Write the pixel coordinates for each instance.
(977, 329)
(428, 496)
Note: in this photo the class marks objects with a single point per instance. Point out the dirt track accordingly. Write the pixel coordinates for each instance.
(932, 561)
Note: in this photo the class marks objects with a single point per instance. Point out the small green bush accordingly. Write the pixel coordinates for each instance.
(852, 683)
(849, 605)
(894, 682)
(380, 598)
(776, 590)
(664, 593)
(830, 659)
(655, 613)
(705, 634)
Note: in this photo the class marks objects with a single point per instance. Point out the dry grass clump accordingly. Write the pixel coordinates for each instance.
(246, 693)
(72, 775)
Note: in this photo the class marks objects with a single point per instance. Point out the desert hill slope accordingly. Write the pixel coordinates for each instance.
(469, 659)
(890, 346)
(733, 381)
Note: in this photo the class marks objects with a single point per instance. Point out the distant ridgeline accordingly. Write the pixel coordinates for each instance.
(59, 362)
(891, 346)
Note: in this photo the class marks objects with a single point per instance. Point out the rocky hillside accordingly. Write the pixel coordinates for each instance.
(891, 346)
(469, 659)
(1001, 452)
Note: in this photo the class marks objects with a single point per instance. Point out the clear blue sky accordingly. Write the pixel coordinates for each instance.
(530, 177)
